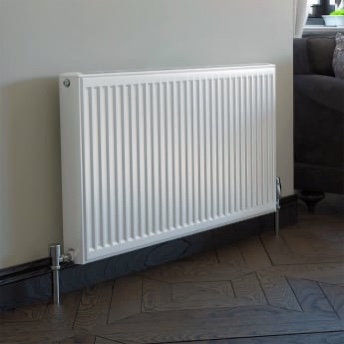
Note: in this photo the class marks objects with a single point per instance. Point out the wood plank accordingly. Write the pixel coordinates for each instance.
(335, 294)
(194, 291)
(331, 273)
(100, 340)
(279, 252)
(254, 253)
(32, 313)
(299, 239)
(316, 239)
(316, 338)
(80, 339)
(248, 287)
(180, 272)
(318, 244)
(157, 327)
(199, 296)
(311, 298)
(35, 335)
(93, 307)
(231, 254)
(204, 257)
(204, 295)
(241, 316)
(57, 320)
(277, 290)
(155, 294)
(126, 299)
(62, 316)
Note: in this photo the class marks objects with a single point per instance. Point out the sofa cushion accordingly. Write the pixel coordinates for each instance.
(324, 90)
(320, 54)
(338, 56)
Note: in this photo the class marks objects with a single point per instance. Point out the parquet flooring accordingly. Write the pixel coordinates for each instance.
(265, 289)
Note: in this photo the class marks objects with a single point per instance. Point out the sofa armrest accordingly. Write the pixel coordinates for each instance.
(325, 90)
(301, 61)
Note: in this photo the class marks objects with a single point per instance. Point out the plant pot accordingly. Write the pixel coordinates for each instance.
(317, 10)
(330, 20)
(339, 21)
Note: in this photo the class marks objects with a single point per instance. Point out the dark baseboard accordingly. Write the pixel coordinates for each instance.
(31, 283)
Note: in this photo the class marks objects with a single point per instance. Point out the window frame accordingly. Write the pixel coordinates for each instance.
(317, 19)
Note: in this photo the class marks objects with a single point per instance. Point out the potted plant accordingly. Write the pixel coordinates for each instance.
(338, 15)
(335, 17)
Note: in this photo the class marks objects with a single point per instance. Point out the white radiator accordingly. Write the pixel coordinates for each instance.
(152, 156)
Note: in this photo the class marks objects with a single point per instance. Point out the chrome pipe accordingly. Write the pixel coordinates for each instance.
(277, 220)
(56, 286)
(55, 254)
(56, 259)
(278, 207)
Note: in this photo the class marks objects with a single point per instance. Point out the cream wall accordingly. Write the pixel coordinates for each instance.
(41, 38)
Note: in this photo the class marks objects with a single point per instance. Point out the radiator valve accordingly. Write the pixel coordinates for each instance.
(56, 259)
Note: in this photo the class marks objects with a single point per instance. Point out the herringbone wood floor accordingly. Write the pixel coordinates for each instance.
(266, 289)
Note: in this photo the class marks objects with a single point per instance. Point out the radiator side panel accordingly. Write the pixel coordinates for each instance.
(72, 165)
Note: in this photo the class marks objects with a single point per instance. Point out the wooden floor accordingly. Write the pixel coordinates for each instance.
(266, 289)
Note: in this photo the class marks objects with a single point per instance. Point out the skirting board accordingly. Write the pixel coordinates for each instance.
(31, 283)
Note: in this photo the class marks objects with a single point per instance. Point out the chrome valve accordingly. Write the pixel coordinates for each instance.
(56, 259)
(278, 206)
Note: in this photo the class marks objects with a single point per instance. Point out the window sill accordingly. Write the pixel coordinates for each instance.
(321, 30)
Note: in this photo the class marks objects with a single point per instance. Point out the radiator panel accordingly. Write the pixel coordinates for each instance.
(160, 155)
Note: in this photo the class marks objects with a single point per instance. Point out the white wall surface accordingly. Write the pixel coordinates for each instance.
(41, 38)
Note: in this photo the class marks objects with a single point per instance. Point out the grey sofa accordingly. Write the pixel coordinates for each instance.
(318, 120)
